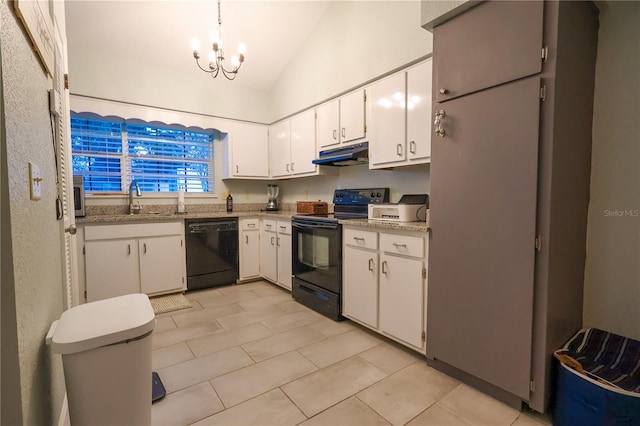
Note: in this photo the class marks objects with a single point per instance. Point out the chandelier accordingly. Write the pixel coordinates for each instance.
(216, 54)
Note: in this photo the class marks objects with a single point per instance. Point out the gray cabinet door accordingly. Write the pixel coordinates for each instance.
(493, 43)
(482, 247)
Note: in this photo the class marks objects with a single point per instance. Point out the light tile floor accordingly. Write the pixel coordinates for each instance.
(250, 355)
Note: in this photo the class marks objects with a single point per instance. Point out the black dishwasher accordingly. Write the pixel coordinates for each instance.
(212, 252)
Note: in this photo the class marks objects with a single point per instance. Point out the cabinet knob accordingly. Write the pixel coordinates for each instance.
(71, 229)
(443, 91)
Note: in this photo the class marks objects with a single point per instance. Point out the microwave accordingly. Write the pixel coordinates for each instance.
(78, 195)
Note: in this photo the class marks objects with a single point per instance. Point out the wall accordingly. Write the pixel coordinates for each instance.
(93, 73)
(34, 282)
(355, 41)
(612, 273)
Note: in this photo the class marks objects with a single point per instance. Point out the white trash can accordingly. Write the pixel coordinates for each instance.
(106, 354)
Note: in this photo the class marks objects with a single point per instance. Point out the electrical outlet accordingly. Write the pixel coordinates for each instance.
(35, 182)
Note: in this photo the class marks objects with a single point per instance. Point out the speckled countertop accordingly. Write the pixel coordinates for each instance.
(117, 214)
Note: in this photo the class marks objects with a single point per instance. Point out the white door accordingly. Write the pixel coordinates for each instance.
(111, 268)
(161, 264)
(250, 147)
(268, 256)
(387, 120)
(303, 143)
(279, 135)
(284, 260)
(250, 254)
(352, 116)
(327, 117)
(401, 298)
(360, 286)
(419, 115)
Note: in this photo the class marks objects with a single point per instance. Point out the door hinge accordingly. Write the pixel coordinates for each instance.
(538, 242)
(423, 336)
(545, 52)
(543, 92)
(532, 386)
(66, 81)
(424, 272)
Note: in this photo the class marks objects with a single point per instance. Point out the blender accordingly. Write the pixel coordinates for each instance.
(272, 193)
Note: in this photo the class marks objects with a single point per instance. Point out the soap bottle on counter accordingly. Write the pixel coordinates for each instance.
(229, 203)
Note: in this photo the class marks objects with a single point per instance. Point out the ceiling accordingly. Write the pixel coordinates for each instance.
(159, 32)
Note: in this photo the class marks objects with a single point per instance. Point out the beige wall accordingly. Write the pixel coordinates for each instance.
(354, 42)
(33, 283)
(612, 274)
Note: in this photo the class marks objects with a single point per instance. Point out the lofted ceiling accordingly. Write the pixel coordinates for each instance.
(159, 32)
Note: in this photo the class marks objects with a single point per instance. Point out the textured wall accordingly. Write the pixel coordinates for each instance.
(612, 274)
(431, 10)
(35, 232)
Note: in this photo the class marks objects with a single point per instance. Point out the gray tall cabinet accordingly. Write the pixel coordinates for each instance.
(513, 96)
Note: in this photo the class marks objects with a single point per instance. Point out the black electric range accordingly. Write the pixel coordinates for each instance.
(317, 249)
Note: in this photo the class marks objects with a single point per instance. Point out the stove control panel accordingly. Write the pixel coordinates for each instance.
(360, 197)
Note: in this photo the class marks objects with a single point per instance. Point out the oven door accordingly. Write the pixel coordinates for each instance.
(317, 253)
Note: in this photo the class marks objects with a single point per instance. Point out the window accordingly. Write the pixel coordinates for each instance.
(111, 154)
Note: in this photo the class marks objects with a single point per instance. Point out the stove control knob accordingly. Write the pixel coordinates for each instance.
(378, 195)
(373, 194)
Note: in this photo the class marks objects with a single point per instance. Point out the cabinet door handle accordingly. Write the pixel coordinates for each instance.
(412, 147)
(437, 122)
(128, 248)
(396, 245)
(246, 239)
(384, 267)
(251, 225)
(278, 241)
(287, 167)
(237, 170)
(282, 228)
(371, 265)
(335, 134)
(272, 241)
(268, 225)
(358, 238)
(292, 167)
(144, 247)
(443, 91)
(399, 149)
(343, 133)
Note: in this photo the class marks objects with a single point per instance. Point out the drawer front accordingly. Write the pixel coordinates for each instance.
(250, 224)
(406, 245)
(362, 239)
(269, 225)
(284, 227)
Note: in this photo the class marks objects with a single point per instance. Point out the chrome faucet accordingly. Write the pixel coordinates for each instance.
(132, 208)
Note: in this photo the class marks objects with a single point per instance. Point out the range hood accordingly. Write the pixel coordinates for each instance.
(344, 156)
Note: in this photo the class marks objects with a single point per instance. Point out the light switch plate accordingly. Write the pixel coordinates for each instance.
(35, 182)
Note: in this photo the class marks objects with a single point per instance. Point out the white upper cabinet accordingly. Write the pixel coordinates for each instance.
(303, 143)
(341, 121)
(245, 150)
(387, 138)
(400, 118)
(280, 140)
(419, 116)
(293, 146)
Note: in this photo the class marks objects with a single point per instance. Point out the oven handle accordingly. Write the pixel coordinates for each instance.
(312, 226)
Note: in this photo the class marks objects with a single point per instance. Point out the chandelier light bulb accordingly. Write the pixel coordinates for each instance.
(235, 62)
(195, 44)
(242, 49)
(212, 56)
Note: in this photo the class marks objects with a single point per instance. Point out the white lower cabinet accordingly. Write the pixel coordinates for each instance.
(275, 252)
(134, 258)
(384, 283)
(249, 248)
